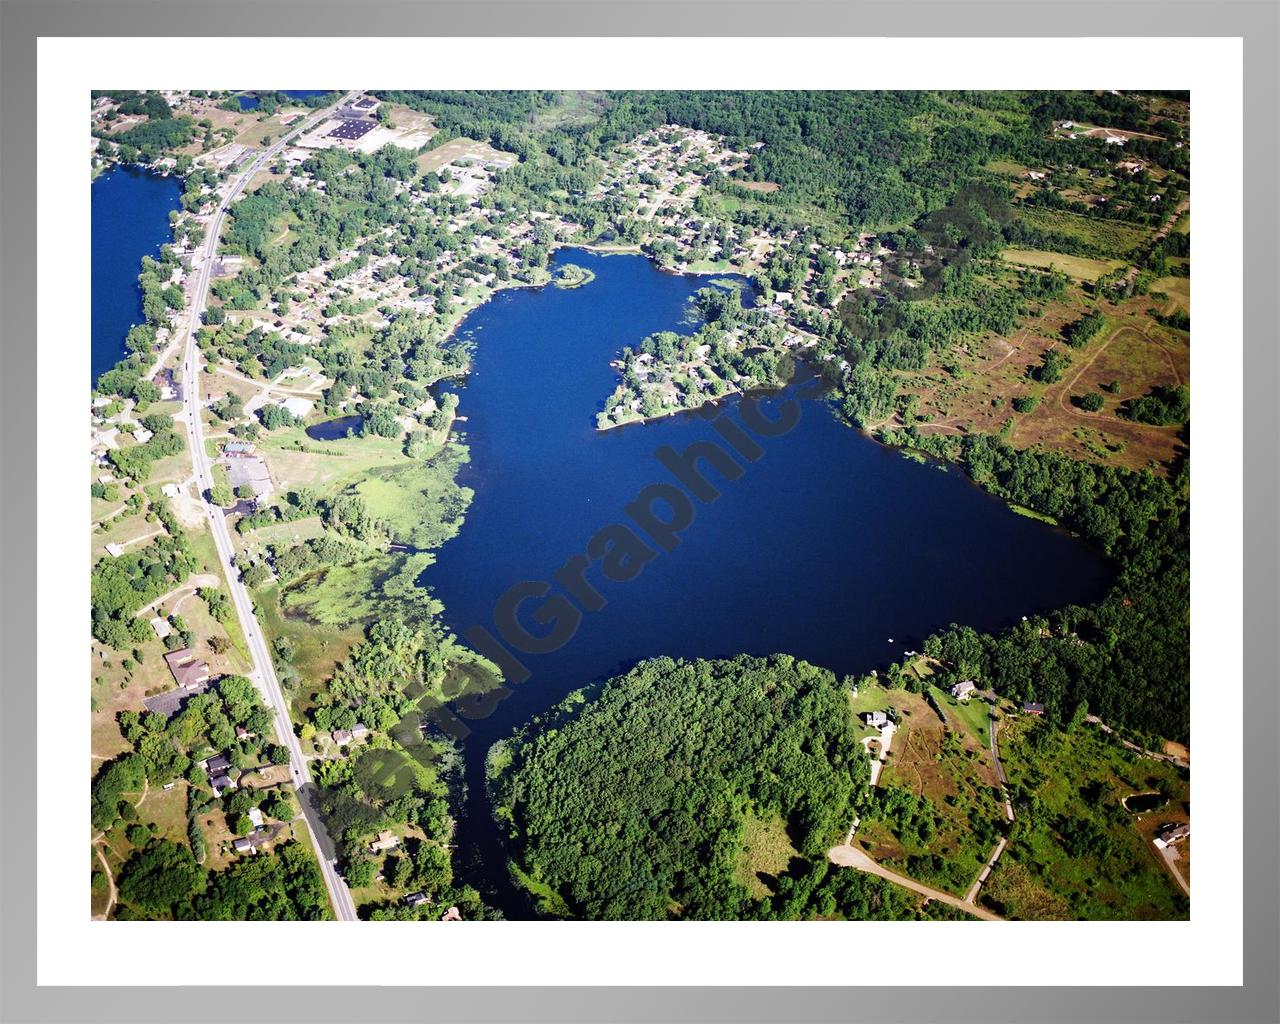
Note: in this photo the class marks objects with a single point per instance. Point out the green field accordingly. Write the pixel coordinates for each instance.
(1108, 238)
(1079, 267)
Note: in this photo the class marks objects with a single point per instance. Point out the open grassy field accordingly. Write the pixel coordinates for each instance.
(973, 386)
(421, 500)
(1108, 238)
(1078, 267)
(1074, 849)
(766, 853)
(317, 649)
(1177, 290)
(326, 466)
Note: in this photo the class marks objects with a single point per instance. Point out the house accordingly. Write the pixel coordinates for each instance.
(189, 672)
(1172, 832)
(875, 719)
(221, 784)
(161, 626)
(1031, 708)
(964, 690)
(115, 550)
(452, 914)
(341, 736)
(259, 837)
(387, 840)
(416, 899)
(142, 435)
(359, 731)
(170, 490)
(216, 765)
(255, 816)
(244, 734)
(237, 448)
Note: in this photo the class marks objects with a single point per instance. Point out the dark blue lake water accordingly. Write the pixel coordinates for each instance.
(829, 547)
(250, 101)
(332, 430)
(130, 211)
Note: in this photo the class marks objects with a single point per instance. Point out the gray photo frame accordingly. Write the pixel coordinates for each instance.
(1257, 22)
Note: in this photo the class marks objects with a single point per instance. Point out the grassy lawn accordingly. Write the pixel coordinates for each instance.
(325, 466)
(973, 714)
(1073, 839)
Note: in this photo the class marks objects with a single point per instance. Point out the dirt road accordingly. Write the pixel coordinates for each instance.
(852, 857)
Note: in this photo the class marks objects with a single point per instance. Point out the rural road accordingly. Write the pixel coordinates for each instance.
(972, 894)
(1129, 745)
(263, 673)
(852, 857)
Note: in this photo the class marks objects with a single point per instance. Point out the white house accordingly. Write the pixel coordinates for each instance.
(963, 691)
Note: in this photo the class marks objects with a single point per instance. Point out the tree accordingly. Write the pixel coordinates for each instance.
(1091, 402)
(160, 877)
(220, 494)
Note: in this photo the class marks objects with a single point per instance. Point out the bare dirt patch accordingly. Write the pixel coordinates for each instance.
(461, 148)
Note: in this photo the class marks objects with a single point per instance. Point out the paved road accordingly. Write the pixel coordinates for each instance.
(852, 857)
(263, 674)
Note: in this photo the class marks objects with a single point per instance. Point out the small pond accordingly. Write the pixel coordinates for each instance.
(334, 430)
(1142, 802)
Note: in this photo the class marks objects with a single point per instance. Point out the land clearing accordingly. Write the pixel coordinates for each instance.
(463, 148)
(1078, 267)
(1133, 357)
(766, 854)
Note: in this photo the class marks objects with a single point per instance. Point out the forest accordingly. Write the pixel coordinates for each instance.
(634, 802)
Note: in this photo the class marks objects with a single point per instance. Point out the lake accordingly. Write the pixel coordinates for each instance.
(130, 219)
(829, 547)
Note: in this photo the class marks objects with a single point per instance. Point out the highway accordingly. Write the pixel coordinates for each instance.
(263, 673)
